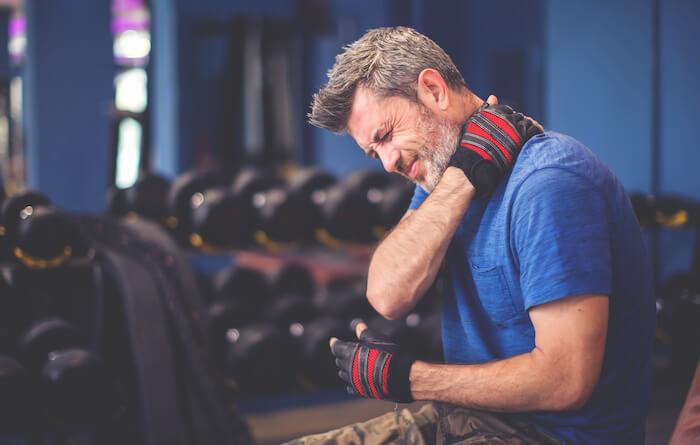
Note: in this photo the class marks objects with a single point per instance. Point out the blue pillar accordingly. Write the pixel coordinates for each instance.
(68, 91)
(165, 89)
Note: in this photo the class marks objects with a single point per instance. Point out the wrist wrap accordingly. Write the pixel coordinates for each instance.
(374, 368)
(491, 141)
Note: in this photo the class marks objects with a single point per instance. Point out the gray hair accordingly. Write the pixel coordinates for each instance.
(385, 60)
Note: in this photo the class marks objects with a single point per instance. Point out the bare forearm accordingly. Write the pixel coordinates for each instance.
(521, 383)
(559, 373)
(406, 262)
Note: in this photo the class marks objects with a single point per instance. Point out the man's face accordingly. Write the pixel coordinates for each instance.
(407, 137)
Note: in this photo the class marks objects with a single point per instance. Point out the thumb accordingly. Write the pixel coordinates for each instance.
(492, 100)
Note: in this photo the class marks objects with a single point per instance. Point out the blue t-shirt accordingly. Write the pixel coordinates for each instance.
(559, 225)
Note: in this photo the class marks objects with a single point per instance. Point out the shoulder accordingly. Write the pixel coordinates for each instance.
(558, 160)
(552, 149)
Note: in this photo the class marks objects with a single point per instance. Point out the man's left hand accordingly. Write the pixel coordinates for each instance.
(374, 367)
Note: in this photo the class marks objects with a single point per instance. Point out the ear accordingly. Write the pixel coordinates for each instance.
(433, 90)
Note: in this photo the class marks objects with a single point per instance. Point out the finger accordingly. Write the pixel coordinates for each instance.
(492, 100)
(536, 123)
(343, 349)
(360, 328)
(344, 375)
(331, 341)
(354, 322)
(352, 391)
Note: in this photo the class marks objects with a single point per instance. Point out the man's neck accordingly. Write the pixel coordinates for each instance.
(468, 103)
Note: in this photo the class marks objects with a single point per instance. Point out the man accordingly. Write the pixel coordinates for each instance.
(548, 314)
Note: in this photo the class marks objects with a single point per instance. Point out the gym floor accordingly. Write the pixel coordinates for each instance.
(279, 426)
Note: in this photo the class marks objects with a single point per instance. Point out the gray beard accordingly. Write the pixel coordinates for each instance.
(443, 136)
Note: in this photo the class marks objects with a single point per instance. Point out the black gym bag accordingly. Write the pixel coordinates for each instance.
(178, 398)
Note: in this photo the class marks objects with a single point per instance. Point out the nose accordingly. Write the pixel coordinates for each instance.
(389, 156)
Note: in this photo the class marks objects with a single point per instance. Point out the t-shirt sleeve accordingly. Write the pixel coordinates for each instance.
(561, 237)
(419, 196)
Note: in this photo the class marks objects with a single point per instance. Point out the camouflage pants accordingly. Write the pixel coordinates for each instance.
(436, 423)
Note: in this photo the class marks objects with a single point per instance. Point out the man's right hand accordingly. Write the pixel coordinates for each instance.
(491, 141)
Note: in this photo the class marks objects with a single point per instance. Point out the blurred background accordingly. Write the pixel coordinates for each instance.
(192, 115)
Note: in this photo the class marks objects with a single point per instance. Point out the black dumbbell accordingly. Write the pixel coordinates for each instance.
(77, 388)
(47, 237)
(644, 207)
(14, 208)
(148, 197)
(673, 212)
(236, 281)
(253, 180)
(185, 193)
(225, 217)
(241, 297)
(224, 315)
(287, 309)
(351, 211)
(46, 336)
(251, 186)
(221, 219)
(290, 213)
(367, 180)
(261, 359)
(312, 185)
(292, 278)
(317, 365)
(18, 412)
(395, 201)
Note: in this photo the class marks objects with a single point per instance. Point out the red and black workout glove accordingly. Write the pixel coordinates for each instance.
(491, 140)
(374, 367)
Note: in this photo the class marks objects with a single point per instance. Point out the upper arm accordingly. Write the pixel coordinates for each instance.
(561, 237)
(571, 333)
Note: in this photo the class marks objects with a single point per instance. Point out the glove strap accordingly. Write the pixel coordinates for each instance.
(492, 137)
(380, 375)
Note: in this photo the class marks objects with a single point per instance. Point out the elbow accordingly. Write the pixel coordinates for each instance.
(573, 396)
(385, 304)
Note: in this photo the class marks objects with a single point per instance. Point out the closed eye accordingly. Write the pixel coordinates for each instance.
(372, 154)
(386, 136)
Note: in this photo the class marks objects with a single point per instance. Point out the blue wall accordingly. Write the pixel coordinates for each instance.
(339, 154)
(679, 147)
(601, 60)
(679, 97)
(67, 96)
(598, 81)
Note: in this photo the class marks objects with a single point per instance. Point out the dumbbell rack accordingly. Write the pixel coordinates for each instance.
(66, 295)
(281, 417)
